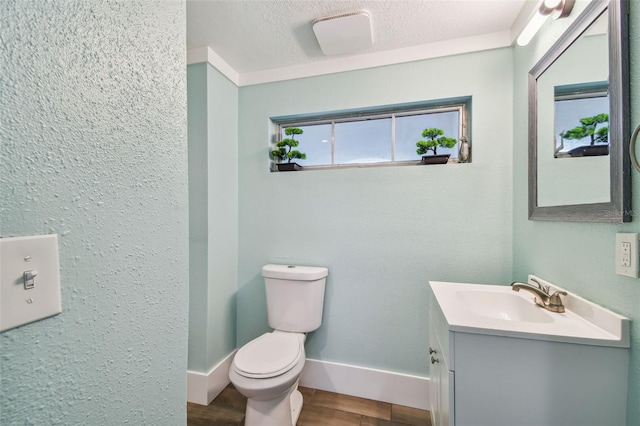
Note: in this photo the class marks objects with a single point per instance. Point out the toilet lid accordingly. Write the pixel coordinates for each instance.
(269, 355)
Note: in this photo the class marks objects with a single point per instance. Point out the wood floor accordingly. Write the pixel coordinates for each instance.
(320, 408)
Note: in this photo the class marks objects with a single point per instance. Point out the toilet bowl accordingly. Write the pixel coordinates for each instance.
(266, 370)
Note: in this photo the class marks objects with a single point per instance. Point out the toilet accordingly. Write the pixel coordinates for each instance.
(266, 370)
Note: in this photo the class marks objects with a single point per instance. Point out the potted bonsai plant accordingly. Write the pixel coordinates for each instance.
(599, 137)
(434, 138)
(285, 151)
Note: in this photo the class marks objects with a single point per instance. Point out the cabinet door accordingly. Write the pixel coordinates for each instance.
(434, 375)
(441, 383)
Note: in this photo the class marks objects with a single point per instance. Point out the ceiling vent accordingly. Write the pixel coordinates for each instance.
(345, 33)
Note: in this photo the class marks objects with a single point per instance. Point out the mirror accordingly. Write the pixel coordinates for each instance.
(579, 121)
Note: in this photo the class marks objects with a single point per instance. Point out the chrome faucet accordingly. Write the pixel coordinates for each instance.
(551, 302)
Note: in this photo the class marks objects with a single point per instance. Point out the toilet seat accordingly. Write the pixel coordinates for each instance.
(269, 355)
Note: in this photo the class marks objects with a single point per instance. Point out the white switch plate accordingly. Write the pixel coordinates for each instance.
(627, 254)
(20, 304)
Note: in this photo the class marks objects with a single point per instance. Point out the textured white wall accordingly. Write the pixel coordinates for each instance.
(94, 148)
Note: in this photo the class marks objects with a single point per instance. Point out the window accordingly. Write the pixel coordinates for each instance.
(378, 136)
(581, 120)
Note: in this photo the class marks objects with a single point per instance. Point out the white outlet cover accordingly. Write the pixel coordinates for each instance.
(19, 305)
(630, 270)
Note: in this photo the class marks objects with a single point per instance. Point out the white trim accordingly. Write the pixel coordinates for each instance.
(197, 387)
(206, 54)
(202, 388)
(377, 59)
(353, 62)
(379, 385)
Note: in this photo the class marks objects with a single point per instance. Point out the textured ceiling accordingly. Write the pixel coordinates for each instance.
(255, 35)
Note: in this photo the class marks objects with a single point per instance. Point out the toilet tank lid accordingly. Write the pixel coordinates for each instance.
(294, 272)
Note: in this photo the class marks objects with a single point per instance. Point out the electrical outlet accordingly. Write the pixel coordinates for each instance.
(627, 254)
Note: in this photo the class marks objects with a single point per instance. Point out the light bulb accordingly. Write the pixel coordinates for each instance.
(531, 29)
(552, 4)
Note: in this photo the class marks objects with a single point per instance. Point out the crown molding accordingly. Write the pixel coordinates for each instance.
(206, 54)
(378, 59)
(353, 62)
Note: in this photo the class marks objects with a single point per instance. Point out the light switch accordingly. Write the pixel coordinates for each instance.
(29, 280)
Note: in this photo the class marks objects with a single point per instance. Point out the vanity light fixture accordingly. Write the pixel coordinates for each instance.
(554, 8)
(344, 33)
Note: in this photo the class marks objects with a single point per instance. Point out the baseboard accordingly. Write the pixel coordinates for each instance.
(379, 385)
(386, 386)
(202, 388)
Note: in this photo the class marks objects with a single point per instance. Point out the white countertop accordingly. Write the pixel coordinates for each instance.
(583, 322)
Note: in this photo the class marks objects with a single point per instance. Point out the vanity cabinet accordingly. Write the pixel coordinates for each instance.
(491, 377)
(442, 382)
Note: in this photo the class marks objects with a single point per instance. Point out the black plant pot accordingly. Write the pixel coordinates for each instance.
(435, 159)
(288, 167)
(590, 150)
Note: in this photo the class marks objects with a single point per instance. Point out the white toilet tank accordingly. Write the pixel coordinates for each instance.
(295, 296)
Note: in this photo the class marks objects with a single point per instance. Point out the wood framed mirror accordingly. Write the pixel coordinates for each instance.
(579, 167)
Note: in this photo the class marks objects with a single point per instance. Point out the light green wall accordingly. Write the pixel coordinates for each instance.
(198, 221)
(213, 216)
(94, 148)
(383, 232)
(577, 256)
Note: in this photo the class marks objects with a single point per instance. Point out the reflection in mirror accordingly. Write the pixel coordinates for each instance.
(578, 121)
(585, 103)
(585, 106)
(562, 99)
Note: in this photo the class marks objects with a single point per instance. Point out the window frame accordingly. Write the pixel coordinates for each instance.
(461, 105)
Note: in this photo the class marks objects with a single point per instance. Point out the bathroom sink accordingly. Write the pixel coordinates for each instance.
(500, 311)
(493, 350)
(503, 306)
